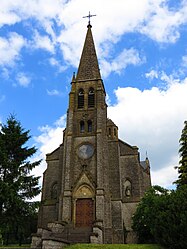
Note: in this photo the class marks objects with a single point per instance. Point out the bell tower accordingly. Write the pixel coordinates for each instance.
(94, 180)
(86, 148)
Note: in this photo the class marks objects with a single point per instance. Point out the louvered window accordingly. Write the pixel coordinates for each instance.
(91, 98)
(81, 98)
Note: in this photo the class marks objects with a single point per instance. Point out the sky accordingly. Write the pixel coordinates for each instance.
(142, 52)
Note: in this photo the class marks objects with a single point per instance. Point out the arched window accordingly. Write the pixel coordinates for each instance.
(91, 97)
(115, 133)
(89, 125)
(82, 126)
(81, 98)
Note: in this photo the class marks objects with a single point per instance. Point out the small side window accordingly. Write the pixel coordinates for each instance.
(81, 126)
(89, 125)
(109, 131)
(115, 132)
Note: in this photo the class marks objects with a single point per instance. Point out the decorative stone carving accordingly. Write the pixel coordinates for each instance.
(127, 188)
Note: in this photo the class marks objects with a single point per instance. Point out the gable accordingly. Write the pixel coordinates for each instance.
(127, 149)
(54, 155)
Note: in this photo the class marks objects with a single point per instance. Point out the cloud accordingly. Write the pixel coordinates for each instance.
(152, 74)
(54, 92)
(49, 139)
(54, 62)
(184, 61)
(51, 136)
(148, 17)
(12, 12)
(5, 73)
(60, 22)
(107, 99)
(23, 79)
(7, 17)
(163, 24)
(126, 57)
(163, 80)
(153, 120)
(43, 42)
(10, 49)
(166, 176)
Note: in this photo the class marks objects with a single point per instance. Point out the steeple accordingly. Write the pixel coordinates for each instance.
(93, 180)
(88, 67)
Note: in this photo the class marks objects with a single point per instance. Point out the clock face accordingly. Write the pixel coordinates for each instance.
(85, 151)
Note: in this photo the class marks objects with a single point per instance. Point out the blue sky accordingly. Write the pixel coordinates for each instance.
(142, 52)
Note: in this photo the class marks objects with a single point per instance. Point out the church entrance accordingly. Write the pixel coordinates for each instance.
(84, 212)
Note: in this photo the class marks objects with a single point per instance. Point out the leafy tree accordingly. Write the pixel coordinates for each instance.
(170, 225)
(146, 213)
(161, 217)
(182, 168)
(17, 185)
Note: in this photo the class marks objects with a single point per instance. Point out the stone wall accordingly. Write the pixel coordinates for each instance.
(114, 170)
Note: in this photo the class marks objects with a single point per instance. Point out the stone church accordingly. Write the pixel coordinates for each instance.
(94, 180)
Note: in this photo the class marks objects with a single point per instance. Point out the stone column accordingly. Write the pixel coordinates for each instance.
(66, 175)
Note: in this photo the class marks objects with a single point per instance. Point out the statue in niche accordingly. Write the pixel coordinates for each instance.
(127, 188)
(128, 191)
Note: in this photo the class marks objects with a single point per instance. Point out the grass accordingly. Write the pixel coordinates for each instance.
(15, 246)
(115, 246)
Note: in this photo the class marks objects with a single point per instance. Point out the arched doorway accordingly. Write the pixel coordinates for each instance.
(84, 207)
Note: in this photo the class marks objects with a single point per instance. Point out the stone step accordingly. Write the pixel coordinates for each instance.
(79, 235)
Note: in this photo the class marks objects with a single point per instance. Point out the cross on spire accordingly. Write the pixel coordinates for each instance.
(89, 16)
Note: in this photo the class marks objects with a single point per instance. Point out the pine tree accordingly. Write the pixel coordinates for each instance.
(17, 185)
(182, 168)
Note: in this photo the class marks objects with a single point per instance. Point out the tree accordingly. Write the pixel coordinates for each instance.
(182, 168)
(17, 185)
(170, 225)
(147, 211)
(161, 217)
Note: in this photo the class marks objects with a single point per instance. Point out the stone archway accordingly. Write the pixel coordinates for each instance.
(83, 206)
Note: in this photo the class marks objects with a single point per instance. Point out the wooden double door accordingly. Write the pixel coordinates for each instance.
(84, 212)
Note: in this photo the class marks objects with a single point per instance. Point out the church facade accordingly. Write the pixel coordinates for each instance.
(94, 180)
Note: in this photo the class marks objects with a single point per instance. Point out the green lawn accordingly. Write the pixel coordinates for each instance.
(113, 246)
(15, 246)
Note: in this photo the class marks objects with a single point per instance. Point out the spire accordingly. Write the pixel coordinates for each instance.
(146, 155)
(88, 67)
(73, 78)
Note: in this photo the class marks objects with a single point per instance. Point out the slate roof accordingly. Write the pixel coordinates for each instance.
(88, 66)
